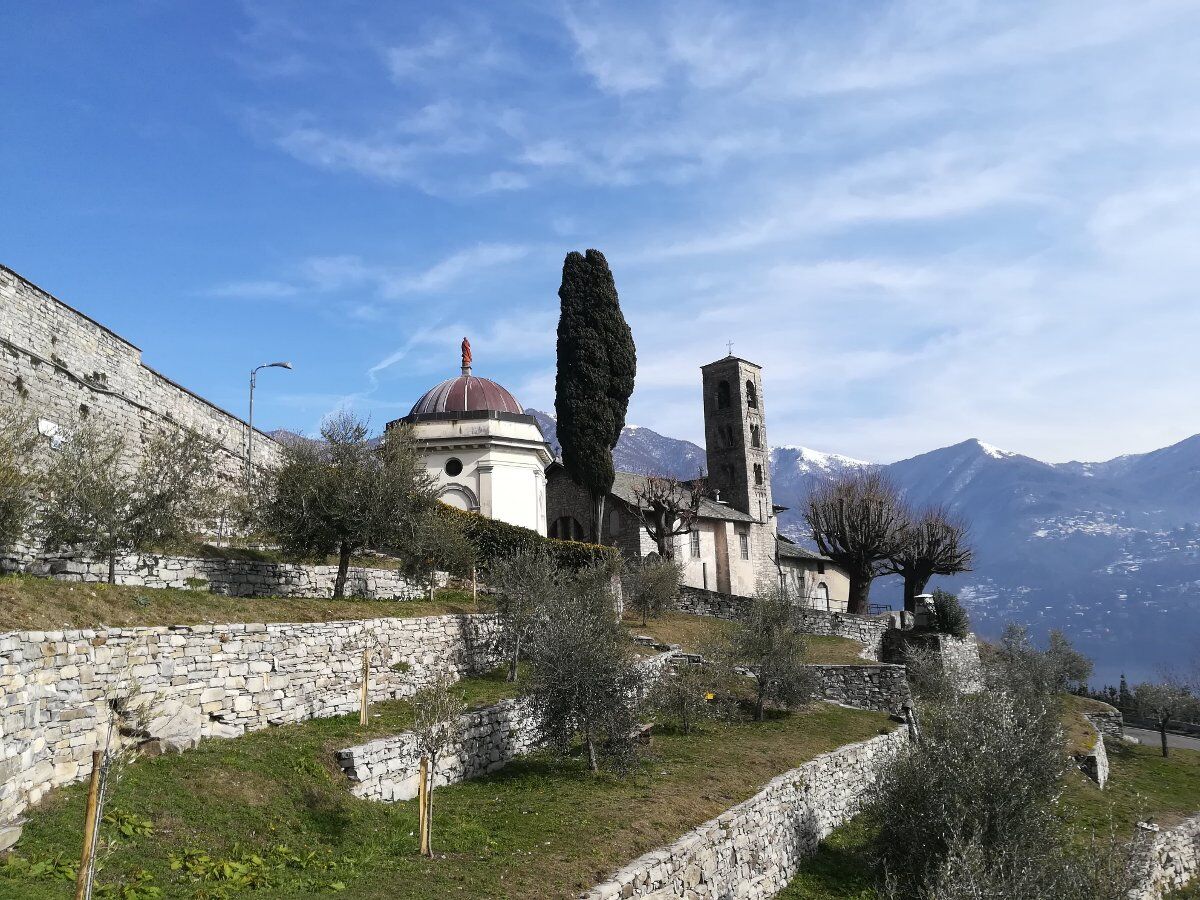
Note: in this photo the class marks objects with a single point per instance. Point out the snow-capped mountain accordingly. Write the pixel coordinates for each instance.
(1108, 551)
(639, 450)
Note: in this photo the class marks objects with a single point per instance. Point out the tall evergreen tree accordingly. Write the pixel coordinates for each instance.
(597, 363)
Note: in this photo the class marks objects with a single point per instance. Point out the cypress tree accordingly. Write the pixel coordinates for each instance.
(597, 362)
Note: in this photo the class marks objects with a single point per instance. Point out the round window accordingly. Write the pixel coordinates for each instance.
(453, 467)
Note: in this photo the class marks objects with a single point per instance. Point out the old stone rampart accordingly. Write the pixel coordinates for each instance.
(58, 686)
(753, 849)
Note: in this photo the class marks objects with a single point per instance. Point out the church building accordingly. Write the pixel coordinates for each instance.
(484, 453)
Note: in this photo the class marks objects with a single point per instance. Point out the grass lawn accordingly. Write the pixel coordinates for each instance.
(695, 633)
(542, 827)
(32, 603)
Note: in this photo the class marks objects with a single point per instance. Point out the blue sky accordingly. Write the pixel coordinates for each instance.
(928, 221)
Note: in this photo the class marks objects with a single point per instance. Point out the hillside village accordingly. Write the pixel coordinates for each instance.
(651, 691)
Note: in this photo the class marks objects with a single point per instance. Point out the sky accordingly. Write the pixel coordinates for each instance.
(926, 220)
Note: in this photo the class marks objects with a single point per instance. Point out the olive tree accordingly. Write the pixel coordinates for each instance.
(523, 584)
(768, 648)
(346, 493)
(1165, 701)
(18, 472)
(98, 500)
(436, 728)
(650, 584)
(583, 680)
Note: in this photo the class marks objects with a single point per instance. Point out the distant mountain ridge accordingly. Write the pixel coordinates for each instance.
(1108, 551)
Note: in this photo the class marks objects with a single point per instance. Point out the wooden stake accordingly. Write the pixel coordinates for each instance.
(474, 586)
(366, 685)
(422, 803)
(89, 826)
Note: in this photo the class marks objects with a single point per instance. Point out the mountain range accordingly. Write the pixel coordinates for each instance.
(1107, 551)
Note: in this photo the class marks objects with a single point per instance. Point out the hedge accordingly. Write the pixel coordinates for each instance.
(494, 539)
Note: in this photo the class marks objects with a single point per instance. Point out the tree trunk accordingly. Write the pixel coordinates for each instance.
(339, 584)
(429, 805)
(914, 584)
(513, 660)
(598, 524)
(112, 568)
(1162, 733)
(593, 763)
(760, 703)
(860, 592)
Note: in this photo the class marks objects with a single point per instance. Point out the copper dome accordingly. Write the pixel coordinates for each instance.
(466, 393)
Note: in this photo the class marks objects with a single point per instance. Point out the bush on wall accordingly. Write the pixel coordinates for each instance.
(494, 539)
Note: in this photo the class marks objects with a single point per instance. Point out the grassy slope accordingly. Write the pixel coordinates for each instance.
(1142, 786)
(31, 603)
(695, 633)
(542, 827)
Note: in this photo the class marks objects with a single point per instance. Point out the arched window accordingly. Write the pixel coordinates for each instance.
(723, 395)
(755, 438)
(566, 528)
(758, 476)
(751, 395)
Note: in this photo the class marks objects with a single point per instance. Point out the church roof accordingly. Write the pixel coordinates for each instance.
(789, 550)
(466, 393)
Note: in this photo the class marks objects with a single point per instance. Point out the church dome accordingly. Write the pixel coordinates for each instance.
(466, 393)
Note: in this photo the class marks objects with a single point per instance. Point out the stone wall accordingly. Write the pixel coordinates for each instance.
(68, 367)
(958, 657)
(753, 849)
(1173, 861)
(1109, 724)
(216, 680)
(867, 630)
(1094, 763)
(235, 577)
(388, 769)
(881, 687)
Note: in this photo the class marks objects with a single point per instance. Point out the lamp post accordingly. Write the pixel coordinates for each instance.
(250, 434)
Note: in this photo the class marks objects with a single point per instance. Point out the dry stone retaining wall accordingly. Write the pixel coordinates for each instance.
(1109, 724)
(1173, 861)
(958, 657)
(205, 680)
(867, 630)
(236, 577)
(880, 687)
(753, 849)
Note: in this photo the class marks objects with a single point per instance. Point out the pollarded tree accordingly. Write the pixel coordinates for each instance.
(98, 501)
(768, 647)
(18, 472)
(931, 542)
(523, 584)
(582, 675)
(857, 521)
(668, 508)
(343, 493)
(597, 363)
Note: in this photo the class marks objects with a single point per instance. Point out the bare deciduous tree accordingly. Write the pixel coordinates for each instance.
(435, 724)
(523, 584)
(1168, 700)
(768, 647)
(650, 584)
(582, 675)
(667, 508)
(98, 501)
(857, 521)
(930, 542)
(343, 494)
(18, 472)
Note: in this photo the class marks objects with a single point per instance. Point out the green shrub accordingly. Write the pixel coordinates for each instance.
(494, 539)
(949, 615)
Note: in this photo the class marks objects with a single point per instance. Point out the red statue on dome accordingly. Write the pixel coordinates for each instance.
(466, 354)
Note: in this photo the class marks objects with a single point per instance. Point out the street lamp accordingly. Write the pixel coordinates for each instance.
(250, 435)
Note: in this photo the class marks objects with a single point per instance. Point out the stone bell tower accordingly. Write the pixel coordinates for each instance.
(735, 436)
